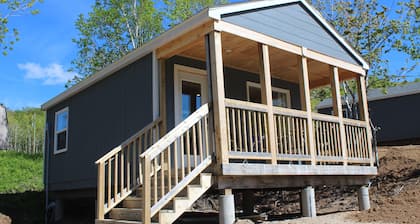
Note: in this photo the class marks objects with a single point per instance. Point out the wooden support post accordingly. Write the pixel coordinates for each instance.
(338, 109)
(305, 101)
(215, 67)
(162, 94)
(146, 190)
(267, 98)
(101, 191)
(364, 112)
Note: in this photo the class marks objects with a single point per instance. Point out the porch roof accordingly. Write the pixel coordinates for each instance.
(209, 14)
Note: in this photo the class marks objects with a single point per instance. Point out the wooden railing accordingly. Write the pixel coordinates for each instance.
(118, 172)
(174, 161)
(247, 133)
(291, 127)
(357, 142)
(327, 138)
(247, 130)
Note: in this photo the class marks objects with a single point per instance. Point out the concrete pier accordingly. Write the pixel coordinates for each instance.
(363, 198)
(226, 207)
(308, 202)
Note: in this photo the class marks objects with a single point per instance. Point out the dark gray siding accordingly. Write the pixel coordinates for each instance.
(397, 117)
(235, 84)
(293, 24)
(100, 118)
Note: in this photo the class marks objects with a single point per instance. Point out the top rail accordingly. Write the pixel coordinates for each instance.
(171, 136)
(126, 142)
(245, 105)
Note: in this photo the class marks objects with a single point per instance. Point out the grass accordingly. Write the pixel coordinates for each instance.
(21, 187)
(20, 172)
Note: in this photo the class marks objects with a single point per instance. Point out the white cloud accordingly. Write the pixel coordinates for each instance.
(52, 74)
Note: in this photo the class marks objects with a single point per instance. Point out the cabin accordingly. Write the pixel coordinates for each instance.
(221, 101)
(401, 101)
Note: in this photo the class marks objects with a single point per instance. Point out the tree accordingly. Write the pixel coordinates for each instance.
(111, 30)
(115, 27)
(9, 9)
(375, 31)
(177, 11)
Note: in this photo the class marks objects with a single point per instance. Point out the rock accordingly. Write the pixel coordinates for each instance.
(4, 219)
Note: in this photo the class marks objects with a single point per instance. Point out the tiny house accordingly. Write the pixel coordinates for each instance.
(220, 101)
(402, 101)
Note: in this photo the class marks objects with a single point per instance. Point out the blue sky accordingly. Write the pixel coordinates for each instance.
(36, 70)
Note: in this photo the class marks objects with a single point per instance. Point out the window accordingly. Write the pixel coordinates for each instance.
(281, 97)
(61, 130)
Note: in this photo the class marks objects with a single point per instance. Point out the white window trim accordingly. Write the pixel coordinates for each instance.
(274, 89)
(66, 109)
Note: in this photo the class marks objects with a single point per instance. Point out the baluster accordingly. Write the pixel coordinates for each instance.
(115, 177)
(182, 157)
(235, 148)
(109, 187)
(245, 131)
(162, 173)
(194, 138)
(250, 126)
(155, 179)
(260, 135)
(169, 168)
(200, 140)
(188, 152)
(228, 129)
(254, 118)
(176, 158)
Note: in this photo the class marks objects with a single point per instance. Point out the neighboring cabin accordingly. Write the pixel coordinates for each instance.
(395, 111)
(221, 101)
(3, 127)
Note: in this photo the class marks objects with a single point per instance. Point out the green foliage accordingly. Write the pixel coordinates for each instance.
(372, 30)
(26, 130)
(20, 172)
(115, 27)
(177, 11)
(9, 9)
(111, 30)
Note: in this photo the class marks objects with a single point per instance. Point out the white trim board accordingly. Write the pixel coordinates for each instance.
(273, 89)
(66, 129)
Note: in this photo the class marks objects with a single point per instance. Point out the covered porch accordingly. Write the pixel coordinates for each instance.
(274, 127)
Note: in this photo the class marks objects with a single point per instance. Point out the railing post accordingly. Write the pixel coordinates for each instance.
(215, 70)
(146, 190)
(267, 97)
(364, 112)
(101, 191)
(305, 99)
(338, 109)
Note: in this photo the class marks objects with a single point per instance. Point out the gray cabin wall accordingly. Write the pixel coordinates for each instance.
(293, 24)
(397, 117)
(100, 118)
(235, 84)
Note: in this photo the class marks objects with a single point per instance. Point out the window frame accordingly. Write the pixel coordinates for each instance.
(273, 89)
(66, 109)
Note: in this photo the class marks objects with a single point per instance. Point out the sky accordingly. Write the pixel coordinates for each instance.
(37, 68)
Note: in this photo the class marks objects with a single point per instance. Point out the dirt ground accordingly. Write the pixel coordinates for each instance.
(394, 194)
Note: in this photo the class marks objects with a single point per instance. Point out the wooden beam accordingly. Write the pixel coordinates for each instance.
(364, 112)
(305, 101)
(273, 42)
(182, 43)
(162, 94)
(267, 97)
(215, 67)
(100, 213)
(146, 190)
(338, 109)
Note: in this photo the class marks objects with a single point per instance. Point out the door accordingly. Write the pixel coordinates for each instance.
(190, 92)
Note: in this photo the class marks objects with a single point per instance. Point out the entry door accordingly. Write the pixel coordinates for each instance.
(190, 91)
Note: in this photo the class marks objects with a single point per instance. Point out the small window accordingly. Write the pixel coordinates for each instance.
(281, 97)
(61, 130)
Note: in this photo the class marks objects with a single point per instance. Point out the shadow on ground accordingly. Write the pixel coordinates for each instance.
(23, 208)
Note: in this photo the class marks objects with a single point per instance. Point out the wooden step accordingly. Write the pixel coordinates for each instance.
(181, 204)
(130, 214)
(114, 221)
(133, 202)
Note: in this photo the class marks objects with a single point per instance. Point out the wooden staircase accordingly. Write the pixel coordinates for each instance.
(160, 184)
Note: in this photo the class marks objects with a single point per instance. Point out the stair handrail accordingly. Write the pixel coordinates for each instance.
(174, 140)
(119, 162)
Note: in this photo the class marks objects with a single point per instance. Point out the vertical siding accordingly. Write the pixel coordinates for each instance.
(235, 84)
(100, 118)
(293, 24)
